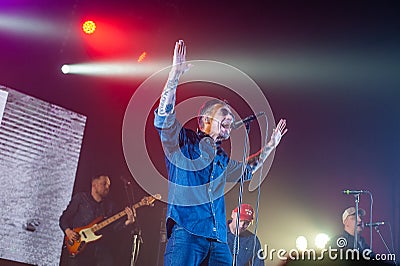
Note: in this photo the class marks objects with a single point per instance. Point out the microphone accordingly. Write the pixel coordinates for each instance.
(375, 224)
(352, 192)
(248, 119)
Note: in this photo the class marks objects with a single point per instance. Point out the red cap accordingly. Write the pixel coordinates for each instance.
(246, 212)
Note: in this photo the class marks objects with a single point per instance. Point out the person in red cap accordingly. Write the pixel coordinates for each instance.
(246, 238)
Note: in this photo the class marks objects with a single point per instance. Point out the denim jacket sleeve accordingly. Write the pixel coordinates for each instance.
(169, 130)
(234, 170)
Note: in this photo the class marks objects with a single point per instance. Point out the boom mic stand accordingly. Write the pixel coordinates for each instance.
(135, 233)
(137, 241)
(384, 242)
(357, 200)
(236, 242)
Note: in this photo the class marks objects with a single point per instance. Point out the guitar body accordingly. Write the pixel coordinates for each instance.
(86, 235)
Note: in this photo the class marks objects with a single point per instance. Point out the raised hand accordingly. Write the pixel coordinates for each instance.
(179, 64)
(257, 159)
(277, 134)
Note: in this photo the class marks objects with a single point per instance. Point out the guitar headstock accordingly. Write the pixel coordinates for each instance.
(149, 200)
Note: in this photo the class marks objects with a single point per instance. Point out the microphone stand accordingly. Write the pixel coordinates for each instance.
(371, 199)
(357, 200)
(163, 235)
(384, 242)
(137, 241)
(236, 242)
(136, 234)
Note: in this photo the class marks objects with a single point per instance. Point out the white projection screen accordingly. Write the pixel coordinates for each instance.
(40, 145)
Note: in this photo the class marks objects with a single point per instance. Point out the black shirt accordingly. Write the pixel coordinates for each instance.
(83, 209)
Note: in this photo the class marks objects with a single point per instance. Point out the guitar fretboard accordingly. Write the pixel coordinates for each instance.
(114, 218)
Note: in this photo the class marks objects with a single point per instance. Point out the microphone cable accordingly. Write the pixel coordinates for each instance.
(370, 218)
(258, 194)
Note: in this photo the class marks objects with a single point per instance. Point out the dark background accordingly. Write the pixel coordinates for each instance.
(331, 68)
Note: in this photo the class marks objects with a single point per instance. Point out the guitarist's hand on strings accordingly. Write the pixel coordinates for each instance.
(131, 213)
(72, 235)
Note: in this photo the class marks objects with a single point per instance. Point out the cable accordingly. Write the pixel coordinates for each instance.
(236, 241)
(370, 218)
(258, 196)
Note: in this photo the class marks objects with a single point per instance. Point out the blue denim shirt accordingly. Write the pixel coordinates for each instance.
(198, 169)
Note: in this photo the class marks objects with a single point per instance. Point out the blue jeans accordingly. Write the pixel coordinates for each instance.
(184, 248)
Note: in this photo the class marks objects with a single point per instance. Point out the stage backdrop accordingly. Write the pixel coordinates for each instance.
(39, 151)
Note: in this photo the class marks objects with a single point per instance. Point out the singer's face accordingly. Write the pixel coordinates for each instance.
(221, 123)
(350, 222)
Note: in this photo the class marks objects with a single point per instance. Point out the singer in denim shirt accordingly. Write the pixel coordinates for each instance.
(198, 169)
(197, 196)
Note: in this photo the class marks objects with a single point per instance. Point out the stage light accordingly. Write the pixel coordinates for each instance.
(65, 69)
(301, 243)
(142, 57)
(321, 240)
(121, 68)
(89, 27)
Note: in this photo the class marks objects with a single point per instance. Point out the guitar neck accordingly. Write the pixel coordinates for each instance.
(114, 218)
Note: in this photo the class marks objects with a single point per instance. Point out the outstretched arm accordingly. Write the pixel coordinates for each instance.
(168, 96)
(257, 159)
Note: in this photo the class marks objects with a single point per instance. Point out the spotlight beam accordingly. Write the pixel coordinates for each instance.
(117, 69)
(28, 25)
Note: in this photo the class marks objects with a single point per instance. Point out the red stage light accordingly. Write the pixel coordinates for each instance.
(142, 57)
(89, 27)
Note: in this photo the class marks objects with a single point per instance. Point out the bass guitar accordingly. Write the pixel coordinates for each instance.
(87, 233)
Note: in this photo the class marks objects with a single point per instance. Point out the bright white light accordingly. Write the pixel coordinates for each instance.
(28, 25)
(65, 69)
(301, 243)
(117, 69)
(321, 240)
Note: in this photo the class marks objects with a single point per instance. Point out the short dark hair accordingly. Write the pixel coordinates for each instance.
(97, 177)
(206, 108)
